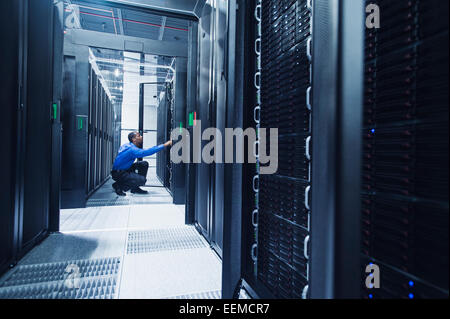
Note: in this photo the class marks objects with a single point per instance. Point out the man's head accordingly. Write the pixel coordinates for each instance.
(135, 138)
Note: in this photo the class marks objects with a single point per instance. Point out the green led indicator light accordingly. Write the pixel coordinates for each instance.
(55, 111)
(80, 123)
(191, 119)
(181, 127)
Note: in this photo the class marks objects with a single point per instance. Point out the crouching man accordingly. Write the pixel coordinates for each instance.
(127, 174)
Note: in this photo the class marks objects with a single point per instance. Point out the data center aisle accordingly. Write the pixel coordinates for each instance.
(132, 247)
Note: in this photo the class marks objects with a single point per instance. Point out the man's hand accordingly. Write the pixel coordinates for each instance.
(168, 144)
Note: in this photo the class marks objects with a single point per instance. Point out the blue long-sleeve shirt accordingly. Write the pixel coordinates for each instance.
(128, 153)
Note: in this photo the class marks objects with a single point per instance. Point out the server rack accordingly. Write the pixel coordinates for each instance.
(37, 135)
(203, 188)
(171, 115)
(283, 82)
(161, 137)
(10, 13)
(276, 216)
(300, 226)
(101, 130)
(163, 165)
(179, 107)
(405, 164)
(170, 96)
(91, 128)
(29, 118)
(211, 109)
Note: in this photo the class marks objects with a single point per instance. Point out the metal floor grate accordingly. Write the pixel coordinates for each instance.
(96, 278)
(164, 239)
(108, 202)
(89, 288)
(29, 274)
(131, 200)
(217, 294)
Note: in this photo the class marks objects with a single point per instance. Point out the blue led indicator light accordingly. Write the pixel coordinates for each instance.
(411, 296)
(370, 296)
(373, 130)
(411, 283)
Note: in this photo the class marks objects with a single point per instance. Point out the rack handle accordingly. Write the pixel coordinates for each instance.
(255, 178)
(305, 247)
(256, 111)
(255, 216)
(305, 292)
(307, 148)
(308, 49)
(258, 12)
(308, 98)
(256, 149)
(258, 41)
(257, 80)
(307, 190)
(255, 252)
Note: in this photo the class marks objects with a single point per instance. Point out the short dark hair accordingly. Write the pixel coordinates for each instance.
(131, 136)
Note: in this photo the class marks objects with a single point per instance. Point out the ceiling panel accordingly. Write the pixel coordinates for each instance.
(133, 22)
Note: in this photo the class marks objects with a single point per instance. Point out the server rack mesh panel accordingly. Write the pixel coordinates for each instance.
(285, 80)
(171, 126)
(405, 157)
(165, 124)
(160, 139)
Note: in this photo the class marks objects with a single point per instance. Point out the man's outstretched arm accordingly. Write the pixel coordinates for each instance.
(140, 153)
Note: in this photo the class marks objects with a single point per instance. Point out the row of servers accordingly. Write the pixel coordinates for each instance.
(170, 116)
(283, 84)
(101, 130)
(405, 150)
(91, 123)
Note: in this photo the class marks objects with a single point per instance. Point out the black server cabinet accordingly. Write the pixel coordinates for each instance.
(211, 112)
(404, 193)
(277, 213)
(100, 126)
(190, 118)
(74, 112)
(219, 118)
(178, 110)
(10, 20)
(163, 166)
(203, 171)
(160, 137)
(58, 55)
(171, 116)
(303, 74)
(37, 138)
(28, 57)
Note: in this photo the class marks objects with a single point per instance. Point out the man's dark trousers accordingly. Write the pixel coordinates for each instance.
(133, 177)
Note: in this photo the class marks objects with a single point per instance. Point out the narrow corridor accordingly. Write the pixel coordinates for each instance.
(132, 247)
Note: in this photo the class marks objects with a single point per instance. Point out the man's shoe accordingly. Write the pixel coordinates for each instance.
(138, 191)
(118, 190)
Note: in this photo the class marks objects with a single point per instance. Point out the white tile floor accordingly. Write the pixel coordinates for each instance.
(102, 231)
